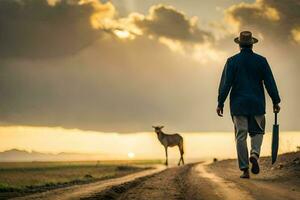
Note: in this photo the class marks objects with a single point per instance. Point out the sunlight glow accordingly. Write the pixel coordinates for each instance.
(122, 34)
(173, 45)
(204, 53)
(103, 15)
(131, 155)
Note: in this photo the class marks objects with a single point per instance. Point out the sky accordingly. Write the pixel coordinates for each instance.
(125, 65)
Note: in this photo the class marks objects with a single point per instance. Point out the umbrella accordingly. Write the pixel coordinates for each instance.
(275, 140)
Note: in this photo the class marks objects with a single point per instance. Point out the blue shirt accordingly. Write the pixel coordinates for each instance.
(245, 74)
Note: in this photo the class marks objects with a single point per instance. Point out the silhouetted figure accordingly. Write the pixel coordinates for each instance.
(245, 74)
(168, 140)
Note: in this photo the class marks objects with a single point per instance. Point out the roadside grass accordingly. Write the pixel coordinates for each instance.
(21, 178)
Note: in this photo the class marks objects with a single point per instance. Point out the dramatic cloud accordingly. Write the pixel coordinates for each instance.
(40, 29)
(31, 28)
(166, 21)
(166, 24)
(273, 19)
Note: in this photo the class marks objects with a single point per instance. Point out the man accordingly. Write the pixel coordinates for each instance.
(244, 74)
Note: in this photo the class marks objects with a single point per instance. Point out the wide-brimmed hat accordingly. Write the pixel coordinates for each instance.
(245, 38)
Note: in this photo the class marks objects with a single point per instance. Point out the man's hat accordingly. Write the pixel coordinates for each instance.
(245, 38)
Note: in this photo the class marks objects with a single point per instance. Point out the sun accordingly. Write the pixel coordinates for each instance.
(131, 155)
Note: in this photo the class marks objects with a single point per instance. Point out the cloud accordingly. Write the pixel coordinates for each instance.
(41, 29)
(103, 14)
(50, 28)
(278, 19)
(163, 23)
(174, 29)
(166, 21)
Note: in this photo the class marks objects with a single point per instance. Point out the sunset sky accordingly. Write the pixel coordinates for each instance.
(123, 65)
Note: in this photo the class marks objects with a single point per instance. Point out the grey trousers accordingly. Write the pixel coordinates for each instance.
(241, 132)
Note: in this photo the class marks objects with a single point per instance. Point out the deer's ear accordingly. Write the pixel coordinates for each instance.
(153, 126)
(161, 127)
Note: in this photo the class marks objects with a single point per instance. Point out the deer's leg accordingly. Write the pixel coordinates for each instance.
(181, 152)
(180, 155)
(166, 149)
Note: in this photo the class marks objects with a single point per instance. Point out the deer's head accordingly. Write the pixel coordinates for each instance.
(157, 129)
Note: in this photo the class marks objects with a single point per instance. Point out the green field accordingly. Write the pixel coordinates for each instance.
(29, 177)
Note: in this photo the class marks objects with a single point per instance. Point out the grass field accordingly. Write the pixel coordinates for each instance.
(28, 177)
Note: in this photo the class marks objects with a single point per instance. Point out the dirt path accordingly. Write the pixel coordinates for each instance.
(168, 184)
(191, 181)
(200, 181)
(222, 188)
(197, 181)
(281, 181)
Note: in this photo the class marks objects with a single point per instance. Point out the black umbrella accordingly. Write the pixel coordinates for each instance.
(275, 140)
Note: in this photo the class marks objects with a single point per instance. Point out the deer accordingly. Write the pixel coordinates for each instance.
(170, 140)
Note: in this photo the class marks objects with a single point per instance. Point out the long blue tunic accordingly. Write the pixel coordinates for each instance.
(245, 74)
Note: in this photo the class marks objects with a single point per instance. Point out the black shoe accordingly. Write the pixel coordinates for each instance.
(255, 165)
(245, 174)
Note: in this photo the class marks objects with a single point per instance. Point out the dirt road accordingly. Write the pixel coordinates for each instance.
(195, 181)
(219, 180)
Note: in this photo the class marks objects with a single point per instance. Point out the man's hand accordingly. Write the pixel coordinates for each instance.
(276, 108)
(220, 111)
